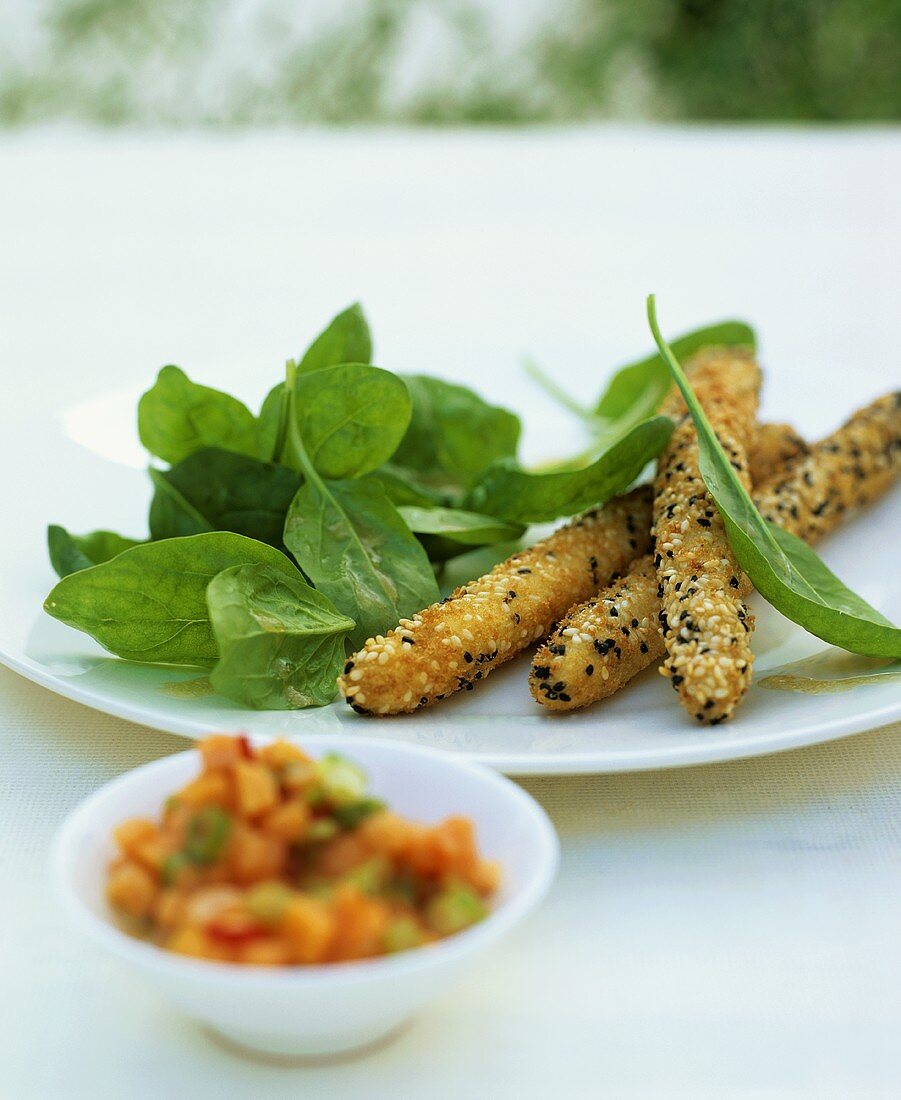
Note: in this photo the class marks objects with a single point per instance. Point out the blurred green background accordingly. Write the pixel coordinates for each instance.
(271, 62)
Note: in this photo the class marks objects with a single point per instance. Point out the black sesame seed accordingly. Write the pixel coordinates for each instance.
(467, 657)
(589, 670)
(541, 672)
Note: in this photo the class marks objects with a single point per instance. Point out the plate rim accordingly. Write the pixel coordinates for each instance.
(682, 755)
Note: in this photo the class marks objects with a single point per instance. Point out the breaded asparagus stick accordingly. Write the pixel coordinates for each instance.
(706, 623)
(849, 468)
(613, 636)
(454, 643)
(774, 446)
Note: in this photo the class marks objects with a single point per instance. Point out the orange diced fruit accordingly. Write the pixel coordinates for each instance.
(131, 889)
(486, 876)
(209, 789)
(280, 753)
(253, 856)
(265, 951)
(220, 751)
(132, 832)
(288, 821)
(362, 924)
(308, 926)
(153, 852)
(255, 788)
(195, 942)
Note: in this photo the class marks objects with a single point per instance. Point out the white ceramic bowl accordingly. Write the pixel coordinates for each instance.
(318, 1010)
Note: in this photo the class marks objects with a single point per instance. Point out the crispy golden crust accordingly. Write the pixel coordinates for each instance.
(847, 469)
(453, 644)
(774, 447)
(706, 623)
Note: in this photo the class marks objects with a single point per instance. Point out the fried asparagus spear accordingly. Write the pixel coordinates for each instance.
(613, 637)
(774, 447)
(706, 623)
(452, 644)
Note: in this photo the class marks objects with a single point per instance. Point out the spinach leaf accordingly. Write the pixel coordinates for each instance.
(281, 643)
(353, 544)
(636, 391)
(149, 603)
(172, 515)
(404, 487)
(469, 528)
(215, 490)
(70, 553)
(269, 423)
(350, 417)
(177, 417)
(785, 570)
(453, 435)
(517, 496)
(346, 339)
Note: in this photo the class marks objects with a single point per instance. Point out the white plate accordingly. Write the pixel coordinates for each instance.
(88, 476)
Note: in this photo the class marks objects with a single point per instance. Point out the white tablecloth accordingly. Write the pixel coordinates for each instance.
(724, 930)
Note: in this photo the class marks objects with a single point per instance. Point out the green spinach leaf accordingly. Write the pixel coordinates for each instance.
(215, 490)
(404, 487)
(469, 528)
(172, 515)
(350, 417)
(149, 603)
(70, 553)
(353, 544)
(635, 391)
(453, 435)
(346, 339)
(517, 496)
(281, 643)
(785, 570)
(177, 417)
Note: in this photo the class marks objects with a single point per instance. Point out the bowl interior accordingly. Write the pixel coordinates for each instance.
(419, 783)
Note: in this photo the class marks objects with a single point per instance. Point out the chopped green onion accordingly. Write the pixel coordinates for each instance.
(206, 835)
(352, 813)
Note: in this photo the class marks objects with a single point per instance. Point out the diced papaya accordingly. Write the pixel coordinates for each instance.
(486, 876)
(153, 852)
(362, 923)
(387, 833)
(280, 753)
(287, 821)
(131, 832)
(342, 854)
(213, 788)
(256, 789)
(265, 951)
(195, 942)
(253, 856)
(308, 926)
(219, 751)
(445, 849)
(208, 902)
(168, 910)
(131, 889)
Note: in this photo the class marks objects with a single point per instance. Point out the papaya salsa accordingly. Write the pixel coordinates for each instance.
(270, 857)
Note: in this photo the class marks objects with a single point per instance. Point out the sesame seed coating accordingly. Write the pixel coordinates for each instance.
(706, 623)
(619, 629)
(774, 447)
(846, 470)
(451, 645)
(870, 441)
